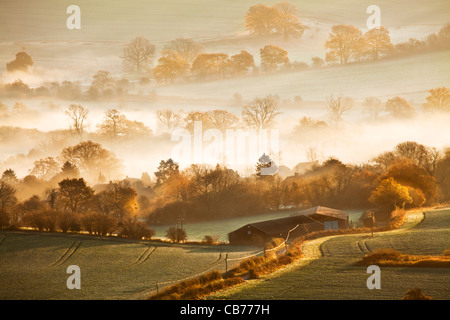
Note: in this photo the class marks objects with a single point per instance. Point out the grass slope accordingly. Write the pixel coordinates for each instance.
(33, 265)
(334, 276)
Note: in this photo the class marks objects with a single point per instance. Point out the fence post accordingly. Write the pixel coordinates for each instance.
(226, 266)
(157, 288)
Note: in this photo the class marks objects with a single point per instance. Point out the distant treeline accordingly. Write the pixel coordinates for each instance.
(185, 60)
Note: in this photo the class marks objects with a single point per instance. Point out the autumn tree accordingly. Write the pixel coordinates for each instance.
(260, 19)
(210, 65)
(91, 159)
(171, 66)
(411, 175)
(438, 100)
(21, 63)
(119, 200)
(138, 53)
(178, 187)
(287, 22)
(103, 80)
(390, 194)
(272, 57)
(241, 63)
(417, 153)
(73, 193)
(261, 113)
(45, 168)
(377, 42)
(282, 18)
(442, 176)
(186, 49)
(77, 115)
(398, 107)
(115, 125)
(165, 170)
(196, 116)
(344, 42)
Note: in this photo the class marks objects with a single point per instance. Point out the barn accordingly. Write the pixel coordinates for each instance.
(298, 224)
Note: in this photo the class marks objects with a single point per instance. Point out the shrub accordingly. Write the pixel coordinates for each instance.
(98, 223)
(210, 240)
(176, 234)
(68, 221)
(269, 249)
(380, 254)
(43, 220)
(416, 294)
(132, 228)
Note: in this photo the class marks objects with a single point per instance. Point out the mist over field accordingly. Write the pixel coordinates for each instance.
(184, 149)
(86, 67)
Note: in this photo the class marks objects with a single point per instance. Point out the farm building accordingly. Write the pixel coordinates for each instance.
(298, 224)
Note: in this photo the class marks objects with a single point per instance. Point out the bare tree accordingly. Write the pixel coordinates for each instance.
(78, 115)
(260, 113)
(138, 53)
(113, 125)
(222, 119)
(337, 107)
(169, 119)
(373, 106)
(312, 155)
(187, 49)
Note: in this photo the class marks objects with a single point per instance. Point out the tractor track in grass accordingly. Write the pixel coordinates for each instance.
(3, 239)
(68, 253)
(145, 255)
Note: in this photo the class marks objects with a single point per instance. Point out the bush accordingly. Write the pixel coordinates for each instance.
(176, 234)
(68, 221)
(98, 223)
(416, 294)
(210, 240)
(43, 220)
(132, 228)
(380, 254)
(272, 244)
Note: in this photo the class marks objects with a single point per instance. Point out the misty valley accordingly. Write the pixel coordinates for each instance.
(222, 150)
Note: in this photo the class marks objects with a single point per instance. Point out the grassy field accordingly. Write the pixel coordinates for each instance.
(409, 77)
(33, 265)
(220, 228)
(328, 271)
(161, 20)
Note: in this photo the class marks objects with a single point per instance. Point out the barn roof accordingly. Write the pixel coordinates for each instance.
(283, 225)
(324, 211)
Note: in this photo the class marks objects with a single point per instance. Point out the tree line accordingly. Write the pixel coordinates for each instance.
(411, 175)
(186, 60)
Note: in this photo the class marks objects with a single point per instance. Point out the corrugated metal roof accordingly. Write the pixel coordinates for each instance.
(322, 211)
(283, 225)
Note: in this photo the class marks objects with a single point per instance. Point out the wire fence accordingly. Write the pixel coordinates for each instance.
(158, 285)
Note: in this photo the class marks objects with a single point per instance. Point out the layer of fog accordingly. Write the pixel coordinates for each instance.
(357, 140)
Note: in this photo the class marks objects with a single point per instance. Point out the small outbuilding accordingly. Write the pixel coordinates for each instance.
(298, 224)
